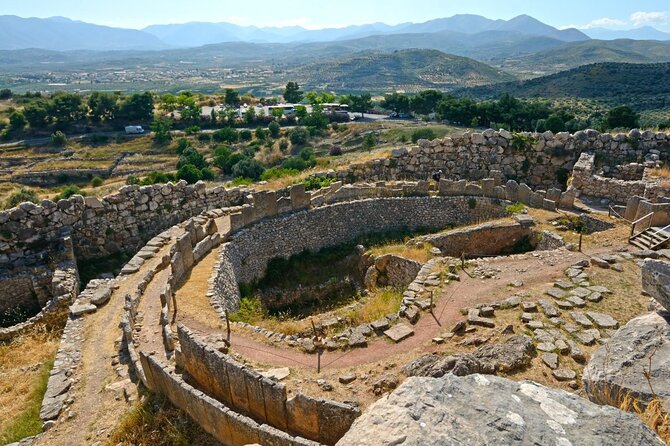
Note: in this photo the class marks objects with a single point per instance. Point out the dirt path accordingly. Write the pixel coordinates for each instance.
(535, 270)
(96, 410)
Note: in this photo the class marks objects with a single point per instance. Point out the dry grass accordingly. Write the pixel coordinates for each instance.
(25, 364)
(662, 174)
(154, 421)
(653, 415)
(420, 254)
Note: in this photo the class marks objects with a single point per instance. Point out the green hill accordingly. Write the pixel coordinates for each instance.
(408, 70)
(575, 54)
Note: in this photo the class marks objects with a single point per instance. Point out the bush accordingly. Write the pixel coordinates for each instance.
(97, 182)
(261, 133)
(193, 157)
(274, 128)
(58, 139)
(226, 134)
(425, 133)
(299, 136)
(246, 135)
(205, 137)
(369, 141)
(22, 195)
(248, 168)
(315, 183)
(189, 173)
(182, 144)
(69, 191)
(335, 150)
(155, 178)
(192, 130)
(515, 208)
(276, 172)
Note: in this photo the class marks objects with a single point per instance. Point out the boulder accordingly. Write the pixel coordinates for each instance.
(487, 410)
(656, 281)
(617, 368)
(507, 357)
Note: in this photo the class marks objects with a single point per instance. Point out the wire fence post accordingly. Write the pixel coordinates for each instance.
(581, 234)
(318, 343)
(431, 303)
(227, 327)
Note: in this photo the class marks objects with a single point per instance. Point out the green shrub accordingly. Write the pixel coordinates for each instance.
(69, 191)
(515, 208)
(192, 130)
(261, 133)
(522, 143)
(274, 128)
(369, 142)
(190, 173)
(315, 183)
(156, 177)
(248, 168)
(58, 139)
(226, 134)
(22, 195)
(191, 156)
(424, 133)
(299, 136)
(276, 172)
(246, 135)
(97, 182)
(472, 202)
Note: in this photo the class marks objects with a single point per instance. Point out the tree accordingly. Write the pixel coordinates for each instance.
(36, 114)
(190, 111)
(189, 173)
(226, 134)
(426, 102)
(361, 104)
(369, 141)
(67, 108)
(300, 112)
(292, 93)
(274, 129)
(555, 124)
(17, 121)
(5, 93)
(161, 128)
(137, 108)
(299, 136)
(396, 102)
(231, 98)
(192, 157)
(250, 115)
(102, 107)
(622, 117)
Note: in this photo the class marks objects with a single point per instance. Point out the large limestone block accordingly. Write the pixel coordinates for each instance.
(656, 281)
(617, 368)
(482, 410)
(303, 416)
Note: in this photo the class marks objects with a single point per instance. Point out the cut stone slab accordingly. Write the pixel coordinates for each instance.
(564, 374)
(51, 407)
(556, 293)
(478, 410)
(581, 319)
(81, 309)
(481, 322)
(577, 301)
(277, 374)
(534, 325)
(412, 314)
(549, 309)
(399, 332)
(347, 379)
(594, 297)
(486, 311)
(562, 346)
(602, 320)
(550, 360)
(585, 337)
(101, 296)
(564, 284)
(580, 292)
(565, 305)
(546, 347)
(526, 317)
(600, 289)
(380, 324)
(617, 368)
(529, 307)
(656, 281)
(357, 340)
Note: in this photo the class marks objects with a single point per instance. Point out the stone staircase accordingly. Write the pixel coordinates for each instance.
(652, 238)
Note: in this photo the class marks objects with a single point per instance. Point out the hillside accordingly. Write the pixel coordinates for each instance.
(408, 70)
(575, 54)
(643, 86)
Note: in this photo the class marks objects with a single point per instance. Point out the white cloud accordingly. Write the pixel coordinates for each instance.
(604, 22)
(649, 18)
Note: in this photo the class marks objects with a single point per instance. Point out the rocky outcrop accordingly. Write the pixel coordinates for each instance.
(618, 368)
(486, 410)
(656, 281)
(391, 270)
(507, 357)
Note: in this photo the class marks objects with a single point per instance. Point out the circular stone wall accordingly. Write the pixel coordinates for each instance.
(244, 258)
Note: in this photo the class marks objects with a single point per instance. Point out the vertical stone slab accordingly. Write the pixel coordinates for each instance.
(567, 200)
(218, 421)
(487, 187)
(248, 214)
(265, 204)
(300, 199)
(335, 419)
(243, 429)
(254, 386)
(303, 416)
(444, 187)
(549, 205)
(537, 199)
(217, 366)
(458, 187)
(236, 221)
(274, 394)
(499, 192)
(512, 191)
(553, 194)
(631, 207)
(238, 387)
(473, 189)
(185, 247)
(274, 437)
(524, 194)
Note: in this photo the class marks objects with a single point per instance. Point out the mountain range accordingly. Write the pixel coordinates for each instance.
(62, 34)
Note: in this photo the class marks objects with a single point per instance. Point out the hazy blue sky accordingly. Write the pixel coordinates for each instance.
(337, 13)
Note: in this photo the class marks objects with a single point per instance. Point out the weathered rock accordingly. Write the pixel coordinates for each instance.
(347, 379)
(514, 354)
(487, 410)
(656, 281)
(618, 368)
(550, 360)
(602, 320)
(564, 374)
(399, 332)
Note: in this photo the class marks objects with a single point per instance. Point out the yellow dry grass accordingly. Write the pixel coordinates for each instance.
(25, 364)
(420, 254)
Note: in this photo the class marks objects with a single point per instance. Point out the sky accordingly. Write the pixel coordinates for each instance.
(314, 14)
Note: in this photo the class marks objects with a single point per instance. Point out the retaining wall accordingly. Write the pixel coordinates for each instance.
(263, 399)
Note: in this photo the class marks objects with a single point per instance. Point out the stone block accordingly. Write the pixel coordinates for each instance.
(236, 221)
(335, 419)
(303, 416)
(274, 394)
(254, 385)
(524, 194)
(238, 388)
(399, 332)
(300, 199)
